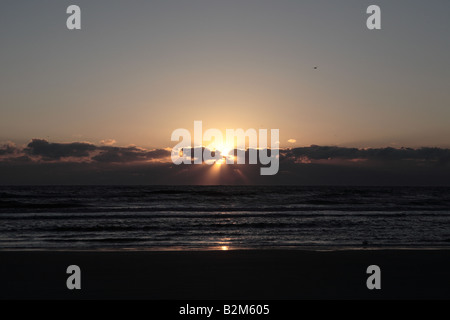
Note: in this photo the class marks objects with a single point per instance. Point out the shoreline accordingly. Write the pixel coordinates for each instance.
(231, 249)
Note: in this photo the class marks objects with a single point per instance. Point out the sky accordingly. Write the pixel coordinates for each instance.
(138, 70)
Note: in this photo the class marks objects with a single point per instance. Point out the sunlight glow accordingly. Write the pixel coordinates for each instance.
(224, 150)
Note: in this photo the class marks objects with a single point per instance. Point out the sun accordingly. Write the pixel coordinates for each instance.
(225, 151)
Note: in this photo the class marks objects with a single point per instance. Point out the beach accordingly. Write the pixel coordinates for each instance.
(233, 274)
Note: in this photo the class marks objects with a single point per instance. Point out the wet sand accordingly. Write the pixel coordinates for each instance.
(233, 274)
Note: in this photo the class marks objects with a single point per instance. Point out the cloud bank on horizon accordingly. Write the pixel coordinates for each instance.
(44, 162)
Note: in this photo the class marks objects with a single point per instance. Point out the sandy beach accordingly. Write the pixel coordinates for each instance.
(234, 274)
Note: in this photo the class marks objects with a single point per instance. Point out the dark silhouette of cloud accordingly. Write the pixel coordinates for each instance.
(78, 151)
(44, 162)
(381, 154)
(8, 149)
(56, 151)
(129, 154)
(46, 151)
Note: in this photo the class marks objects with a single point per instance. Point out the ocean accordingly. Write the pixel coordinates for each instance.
(222, 217)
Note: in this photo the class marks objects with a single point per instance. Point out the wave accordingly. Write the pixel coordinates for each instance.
(11, 204)
(192, 226)
(219, 215)
(81, 217)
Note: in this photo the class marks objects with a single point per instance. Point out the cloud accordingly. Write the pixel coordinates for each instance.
(43, 151)
(56, 151)
(315, 153)
(8, 149)
(108, 142)
(129, 154)
(292, 141)
(44, 162)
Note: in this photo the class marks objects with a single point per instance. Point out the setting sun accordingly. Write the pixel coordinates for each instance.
(224, 150)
